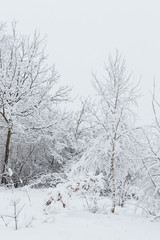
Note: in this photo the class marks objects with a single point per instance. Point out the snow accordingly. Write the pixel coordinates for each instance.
(73, 222)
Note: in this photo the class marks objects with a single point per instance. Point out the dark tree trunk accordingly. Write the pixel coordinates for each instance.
(6, 156)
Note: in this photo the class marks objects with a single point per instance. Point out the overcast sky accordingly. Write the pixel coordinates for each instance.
(82, 33)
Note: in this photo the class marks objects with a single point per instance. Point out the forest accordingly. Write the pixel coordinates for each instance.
(97, 152)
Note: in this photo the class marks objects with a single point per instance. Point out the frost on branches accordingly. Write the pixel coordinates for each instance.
(28, 94)
(149, 194)
(113, 151)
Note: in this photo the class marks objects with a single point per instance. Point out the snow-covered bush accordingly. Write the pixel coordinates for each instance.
(50, 180)
(146, 179)
(88, 188)
(149, 187)
(58, 198)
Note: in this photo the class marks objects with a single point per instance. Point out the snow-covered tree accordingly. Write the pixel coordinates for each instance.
(113, 150)
(28, 88)
(149, 195)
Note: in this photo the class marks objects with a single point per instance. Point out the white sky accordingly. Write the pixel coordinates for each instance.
(82, 33)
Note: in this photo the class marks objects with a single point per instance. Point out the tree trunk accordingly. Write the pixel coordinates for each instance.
(113, 182)
(6, 156)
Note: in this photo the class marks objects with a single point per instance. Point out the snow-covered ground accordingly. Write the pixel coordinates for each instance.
(74, 222)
